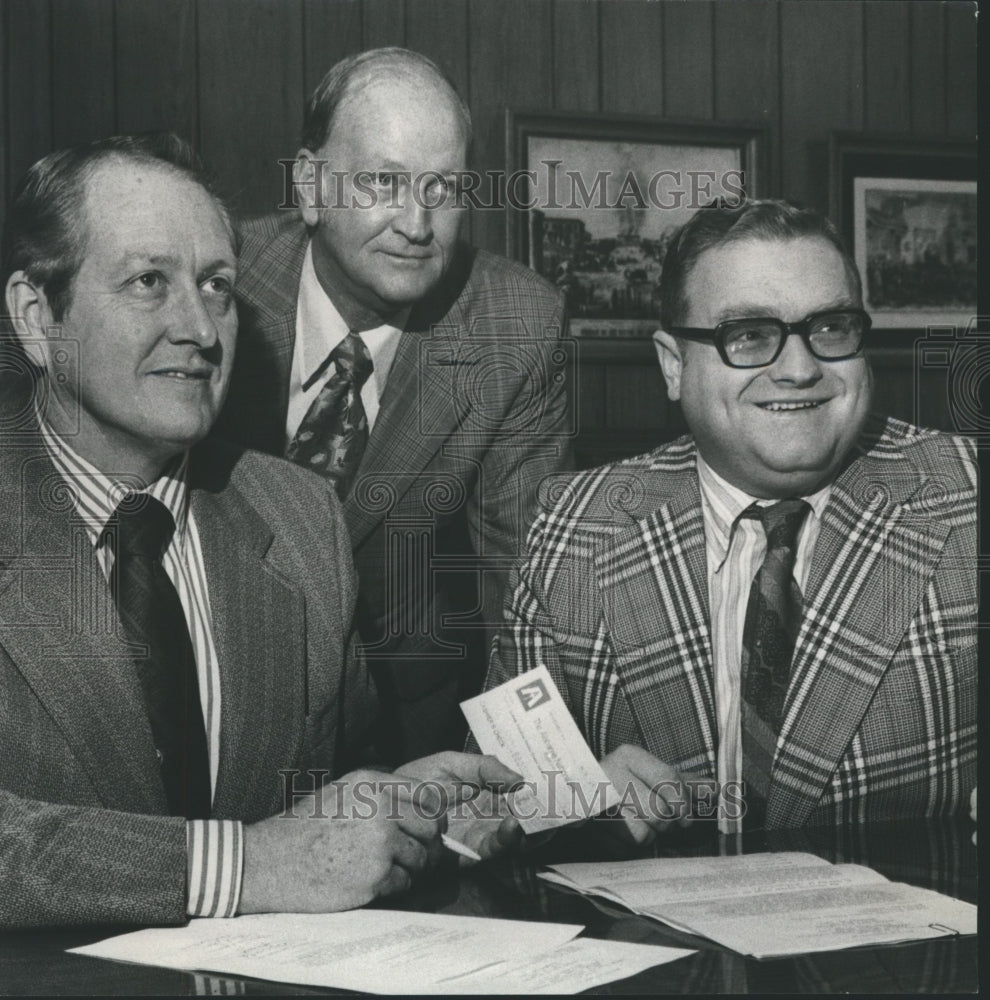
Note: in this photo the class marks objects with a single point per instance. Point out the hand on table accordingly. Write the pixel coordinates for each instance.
(654, 796)
(360, 837)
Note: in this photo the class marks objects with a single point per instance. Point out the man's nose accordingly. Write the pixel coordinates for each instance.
(413, 220)
(191, 319)
(796, 364)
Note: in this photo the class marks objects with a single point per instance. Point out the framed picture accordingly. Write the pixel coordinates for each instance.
(908, 211)
(592, 202)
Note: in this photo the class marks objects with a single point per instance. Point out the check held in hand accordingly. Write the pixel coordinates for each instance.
(526, 724)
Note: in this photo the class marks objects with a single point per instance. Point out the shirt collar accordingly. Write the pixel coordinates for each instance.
(722, 504)
(95, 496)
(325, 328)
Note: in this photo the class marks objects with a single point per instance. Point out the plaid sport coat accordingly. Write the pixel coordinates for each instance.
(474, 415)
(880, 716)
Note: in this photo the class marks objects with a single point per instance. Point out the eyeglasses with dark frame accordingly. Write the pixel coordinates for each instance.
(756, 341)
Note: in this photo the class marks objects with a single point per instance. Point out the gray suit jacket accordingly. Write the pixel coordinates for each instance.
(83, 837)
(474, 416)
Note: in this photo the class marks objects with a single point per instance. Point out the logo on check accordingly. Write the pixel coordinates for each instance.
(533, 694)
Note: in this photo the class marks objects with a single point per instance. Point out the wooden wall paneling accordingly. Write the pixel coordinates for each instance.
(817, 95)
(439, 29)
(156, 66)
(907, 390)
(589, 390)
(636, 396)
(960, 84)
(28, 75)
(927, 68)
(576, 56)
(4, 128)
(82, 94)
(330, 32)
(688, 57)
(632, 57)
(887, 64)
(506, 40)
(251, 95)
(746, 47)
(384, 23)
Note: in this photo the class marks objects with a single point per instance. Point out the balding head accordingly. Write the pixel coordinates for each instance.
(374, 68)
(385, 146)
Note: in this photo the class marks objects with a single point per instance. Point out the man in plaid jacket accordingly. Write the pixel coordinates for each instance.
(466, 406)
(638, 576)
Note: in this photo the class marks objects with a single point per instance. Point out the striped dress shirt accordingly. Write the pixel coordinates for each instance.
(735, 547)
(215, 857)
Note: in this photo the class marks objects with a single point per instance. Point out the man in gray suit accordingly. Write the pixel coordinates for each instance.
(177, 674)
(461, 388)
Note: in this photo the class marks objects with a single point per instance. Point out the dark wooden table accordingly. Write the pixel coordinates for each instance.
(937, 855)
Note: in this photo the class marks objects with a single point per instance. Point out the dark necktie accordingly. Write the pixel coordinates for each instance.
(773, 616)
(152, 616)
(332, 436)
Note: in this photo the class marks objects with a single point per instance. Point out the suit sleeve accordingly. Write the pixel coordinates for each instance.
(67, 865)
(534, 442)
(526, 639)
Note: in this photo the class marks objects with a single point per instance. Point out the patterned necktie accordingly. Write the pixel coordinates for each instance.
(152, 616)
(773, 616)
(332, 436)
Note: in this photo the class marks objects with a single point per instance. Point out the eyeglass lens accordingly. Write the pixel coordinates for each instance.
(832, 335)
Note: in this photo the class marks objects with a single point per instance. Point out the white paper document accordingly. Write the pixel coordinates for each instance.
(388, 951)
(770, 905)
(526, 724)
(578, 965)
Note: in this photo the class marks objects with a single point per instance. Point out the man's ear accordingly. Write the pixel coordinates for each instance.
(308, 174)
(671, 361)
(31, 316)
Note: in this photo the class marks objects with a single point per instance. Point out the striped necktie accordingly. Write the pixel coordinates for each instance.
(773, 616)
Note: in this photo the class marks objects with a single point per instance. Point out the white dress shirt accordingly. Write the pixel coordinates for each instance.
(319, 329)
(735, 548)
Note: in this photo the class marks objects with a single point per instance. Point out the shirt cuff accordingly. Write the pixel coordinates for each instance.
(214, 867)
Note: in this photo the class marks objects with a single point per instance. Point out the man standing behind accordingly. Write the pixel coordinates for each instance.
(424, 378)
(785, 598)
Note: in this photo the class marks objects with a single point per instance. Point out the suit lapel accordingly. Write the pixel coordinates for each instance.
(267, 297)
(259, 632)
(420, 408)
(654, 587)
(873, 559)
(60, 628)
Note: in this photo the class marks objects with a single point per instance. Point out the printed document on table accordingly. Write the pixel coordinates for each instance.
(652, 882)
(579, 965)
(796, 922)
(389, 951)
(773, 904)
(525, 723)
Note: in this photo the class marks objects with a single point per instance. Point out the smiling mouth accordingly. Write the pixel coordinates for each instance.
(811, 404)
(182, 376)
